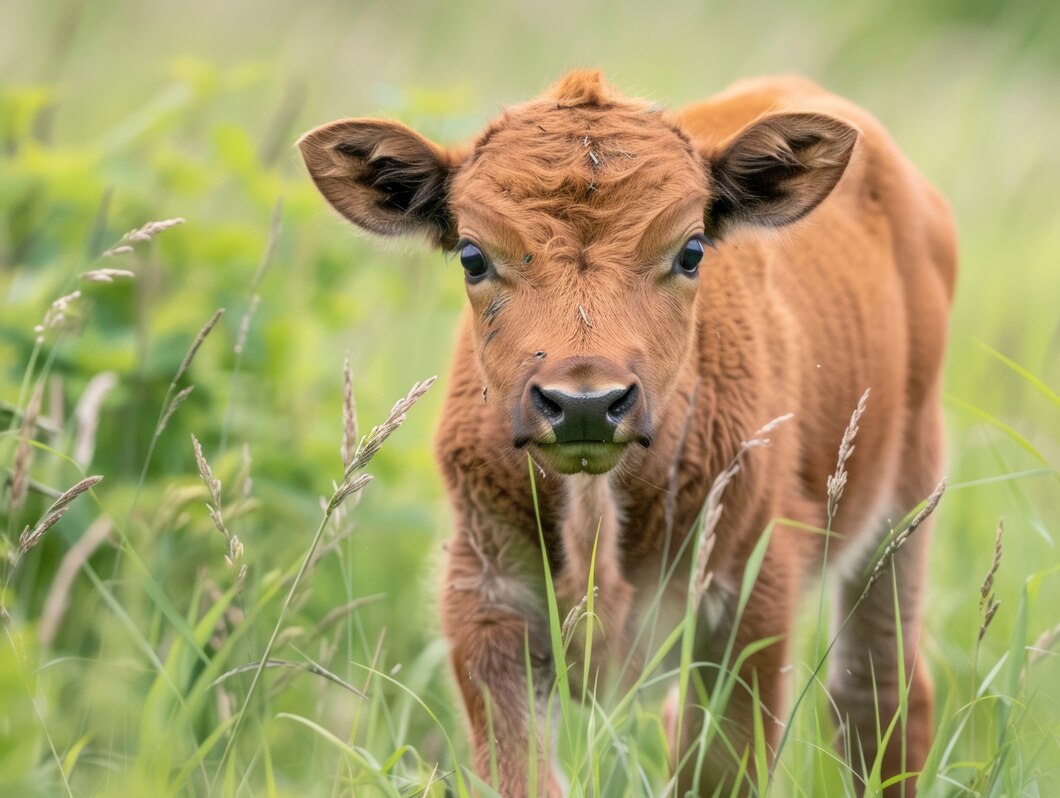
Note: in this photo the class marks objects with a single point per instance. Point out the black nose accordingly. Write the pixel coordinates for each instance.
(584, 417)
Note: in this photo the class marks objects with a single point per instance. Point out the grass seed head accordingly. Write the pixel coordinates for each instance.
(347, 489)
(712, 508)
(234, 555)
(151, 229)
(190, 354)
(58, 314)
(213, 485)
(105, 275)
(988, 616)
(174, 403)
(837, 481)
(349, 414)
(899, 540)
(31, 537)
(576, 614)
(988, 580)
(370, 446)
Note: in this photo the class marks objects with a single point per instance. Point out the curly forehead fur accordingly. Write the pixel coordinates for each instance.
(582, 162)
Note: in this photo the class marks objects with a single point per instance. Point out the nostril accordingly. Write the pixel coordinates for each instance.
(618, 409)
(546, 406)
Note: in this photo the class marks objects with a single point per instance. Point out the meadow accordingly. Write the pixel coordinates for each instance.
(135, 623)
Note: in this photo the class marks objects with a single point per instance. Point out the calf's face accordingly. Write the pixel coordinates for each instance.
(581, 221)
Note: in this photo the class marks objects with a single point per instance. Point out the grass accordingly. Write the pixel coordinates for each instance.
(159, 664)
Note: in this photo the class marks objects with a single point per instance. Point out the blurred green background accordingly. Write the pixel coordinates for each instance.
(113, 114)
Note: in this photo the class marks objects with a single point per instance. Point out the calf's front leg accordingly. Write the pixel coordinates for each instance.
(491, 614)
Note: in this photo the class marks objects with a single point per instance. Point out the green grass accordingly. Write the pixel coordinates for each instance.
(110, 117)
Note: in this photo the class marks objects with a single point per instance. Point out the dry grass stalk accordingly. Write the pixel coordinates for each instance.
(303, 636)
(105, 275)
(190, 355)
(307, 667)
(1044, 645)
(59, 593)
(244, 324)
(56, 408)
(349, 414)
(234, 556)
(584, 317)
(899, 540)
(171, 402)
(338, 613)
(169, 407)
(87, 413)
(713, 507)
(263, 265)
(31, 537)
(24, 451)
(275, 227)
(837, 481)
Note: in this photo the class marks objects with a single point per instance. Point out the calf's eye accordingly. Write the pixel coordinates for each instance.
(690, 256)
(473, 261)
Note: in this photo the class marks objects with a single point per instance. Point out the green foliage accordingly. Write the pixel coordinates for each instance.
(111, 117)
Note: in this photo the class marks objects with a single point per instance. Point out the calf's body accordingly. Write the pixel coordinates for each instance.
(825, 267)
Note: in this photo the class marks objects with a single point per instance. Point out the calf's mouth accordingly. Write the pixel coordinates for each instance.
(590, 457)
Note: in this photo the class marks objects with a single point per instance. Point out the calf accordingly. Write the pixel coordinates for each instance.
(646, 289)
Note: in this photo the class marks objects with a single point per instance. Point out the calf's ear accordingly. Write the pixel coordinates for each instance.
(778, 169)
(383, 177)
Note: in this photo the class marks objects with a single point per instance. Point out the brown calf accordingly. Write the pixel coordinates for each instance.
(646, 290)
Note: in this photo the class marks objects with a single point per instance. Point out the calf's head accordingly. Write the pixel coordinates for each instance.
(581, 220)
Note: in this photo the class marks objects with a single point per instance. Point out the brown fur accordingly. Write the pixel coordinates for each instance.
(581, 200)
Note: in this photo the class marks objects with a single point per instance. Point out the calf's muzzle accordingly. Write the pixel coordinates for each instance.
(582, 401)
(584, 417)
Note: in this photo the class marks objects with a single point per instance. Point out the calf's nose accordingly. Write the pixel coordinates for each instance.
(591, 416)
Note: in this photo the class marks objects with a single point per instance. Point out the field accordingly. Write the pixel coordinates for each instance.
(131, 633)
